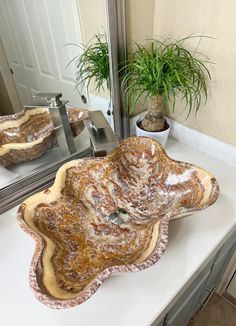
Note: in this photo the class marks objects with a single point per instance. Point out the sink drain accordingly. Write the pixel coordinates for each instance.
(120, 216)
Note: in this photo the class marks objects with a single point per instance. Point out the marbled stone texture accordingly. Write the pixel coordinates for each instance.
(77, 246)
(27, 135)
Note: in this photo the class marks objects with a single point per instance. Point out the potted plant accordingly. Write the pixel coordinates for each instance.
(92, 67)
(160, 73)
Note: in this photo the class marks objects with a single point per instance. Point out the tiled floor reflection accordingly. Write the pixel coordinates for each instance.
(218, 312)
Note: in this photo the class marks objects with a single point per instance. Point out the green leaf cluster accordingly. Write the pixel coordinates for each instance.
(93, 64)
(167, 68)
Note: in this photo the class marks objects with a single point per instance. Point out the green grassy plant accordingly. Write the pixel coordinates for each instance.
(92, 66)
(166, 69)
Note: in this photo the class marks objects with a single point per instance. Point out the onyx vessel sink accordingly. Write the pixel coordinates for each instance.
(27, 135)
(78, 246)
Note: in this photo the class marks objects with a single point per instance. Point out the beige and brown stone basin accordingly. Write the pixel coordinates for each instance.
(27, 135)
(78, 246)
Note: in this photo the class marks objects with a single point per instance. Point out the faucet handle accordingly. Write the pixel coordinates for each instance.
(97, 120)
(101, 135)
(50, 99)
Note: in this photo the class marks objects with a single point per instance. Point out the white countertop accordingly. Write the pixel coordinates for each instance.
(131, 298)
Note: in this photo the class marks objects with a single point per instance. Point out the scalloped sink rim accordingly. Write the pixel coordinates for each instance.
(44, 139)
(160, 246)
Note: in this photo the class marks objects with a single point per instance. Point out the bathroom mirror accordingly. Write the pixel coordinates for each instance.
(38, 40)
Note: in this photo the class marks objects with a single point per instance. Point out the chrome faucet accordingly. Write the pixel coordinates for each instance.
(60, 121)
(102, 137)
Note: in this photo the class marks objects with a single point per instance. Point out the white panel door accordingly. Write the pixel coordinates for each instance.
(34, 35)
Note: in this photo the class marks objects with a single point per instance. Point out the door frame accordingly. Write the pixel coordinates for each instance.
(8, 80)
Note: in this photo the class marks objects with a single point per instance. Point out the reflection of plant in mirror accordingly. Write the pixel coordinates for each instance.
(92, 66)
(160, 73)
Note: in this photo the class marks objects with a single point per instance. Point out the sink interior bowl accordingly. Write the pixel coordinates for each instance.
(77, 244)
(27, 135)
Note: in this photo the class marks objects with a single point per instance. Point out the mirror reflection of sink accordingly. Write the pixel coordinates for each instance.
(28, 134)
(108, 215)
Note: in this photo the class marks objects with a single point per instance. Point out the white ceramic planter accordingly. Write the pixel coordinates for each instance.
(160, 136)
